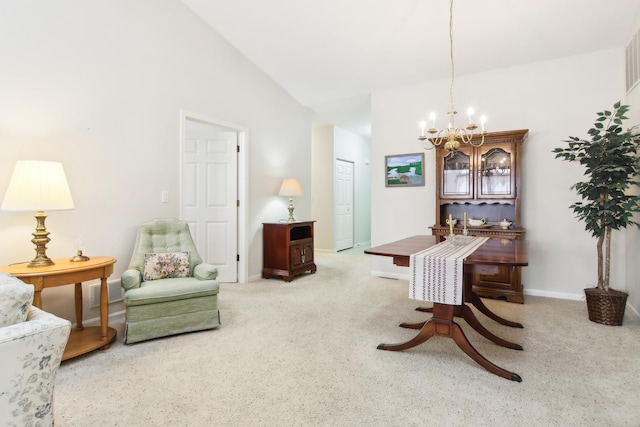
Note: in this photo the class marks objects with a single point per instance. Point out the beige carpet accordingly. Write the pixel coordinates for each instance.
(304, 354)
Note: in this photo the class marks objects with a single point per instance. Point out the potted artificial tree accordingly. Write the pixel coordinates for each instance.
(610, 159)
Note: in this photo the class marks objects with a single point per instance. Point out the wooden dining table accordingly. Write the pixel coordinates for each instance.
(486, 260)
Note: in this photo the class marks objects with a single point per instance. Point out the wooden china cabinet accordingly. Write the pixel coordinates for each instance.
(484, 182)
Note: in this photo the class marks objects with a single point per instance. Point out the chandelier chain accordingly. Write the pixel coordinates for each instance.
(451, 53)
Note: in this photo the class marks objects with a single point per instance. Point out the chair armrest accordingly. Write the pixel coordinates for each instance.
(205, 271)
(38, 321)
(30, 352)
(131, 279)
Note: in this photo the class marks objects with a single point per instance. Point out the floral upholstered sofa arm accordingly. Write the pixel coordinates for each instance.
(204, 271)
(31, 352)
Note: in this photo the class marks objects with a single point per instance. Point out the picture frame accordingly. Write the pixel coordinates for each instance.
(404, 170)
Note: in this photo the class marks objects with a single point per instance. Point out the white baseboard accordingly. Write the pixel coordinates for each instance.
(255, 277)
(556, 295)
(635, 312)
(333, 251)
(361, 244)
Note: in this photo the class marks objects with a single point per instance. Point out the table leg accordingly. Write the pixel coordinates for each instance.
(437, 325)
(428, 330)
(442, 324)
(37, 298)
(471, 319)
(104, 308)
(467, 314)
(473, 299)
(457, 312)
(418, 325)
(78, 304)
(462, 341)
(477, 303)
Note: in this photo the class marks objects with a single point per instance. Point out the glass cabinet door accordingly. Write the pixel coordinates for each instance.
(456, 174)
(495, 175)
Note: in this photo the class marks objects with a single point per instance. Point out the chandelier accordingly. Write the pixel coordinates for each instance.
(451, 137)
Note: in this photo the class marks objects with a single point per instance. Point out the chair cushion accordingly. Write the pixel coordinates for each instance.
(164, 235)
(156, 291)
(166, 265)
(15, 300)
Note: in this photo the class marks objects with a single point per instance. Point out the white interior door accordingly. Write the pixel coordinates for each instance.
(343, 205)
(210, 195)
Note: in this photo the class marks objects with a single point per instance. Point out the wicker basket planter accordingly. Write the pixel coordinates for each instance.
(606, 307)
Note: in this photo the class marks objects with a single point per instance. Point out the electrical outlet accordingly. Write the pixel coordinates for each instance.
(164, 196)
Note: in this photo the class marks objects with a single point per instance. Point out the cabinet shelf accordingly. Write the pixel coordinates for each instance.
(299, 232)
(493, 213)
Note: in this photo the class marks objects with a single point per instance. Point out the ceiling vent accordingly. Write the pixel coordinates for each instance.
(632, 60)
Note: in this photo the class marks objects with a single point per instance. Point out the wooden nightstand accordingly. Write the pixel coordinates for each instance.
(287, 249)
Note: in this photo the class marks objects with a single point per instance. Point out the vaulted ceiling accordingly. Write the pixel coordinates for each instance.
(330, 55)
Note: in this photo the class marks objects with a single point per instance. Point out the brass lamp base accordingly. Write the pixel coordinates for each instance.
(40, 262)
(40, 239)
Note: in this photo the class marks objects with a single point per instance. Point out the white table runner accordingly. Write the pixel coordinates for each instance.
(436, 273)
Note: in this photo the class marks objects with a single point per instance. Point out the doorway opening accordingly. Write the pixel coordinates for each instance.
(343, 204)
(213, 182)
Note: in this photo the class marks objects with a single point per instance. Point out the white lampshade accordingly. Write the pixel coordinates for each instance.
(37, 186)
(290, 187)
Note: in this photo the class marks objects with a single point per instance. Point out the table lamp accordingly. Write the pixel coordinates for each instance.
(38, 186)
(290, 187)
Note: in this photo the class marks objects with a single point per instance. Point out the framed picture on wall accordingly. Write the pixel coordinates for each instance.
(404, 170)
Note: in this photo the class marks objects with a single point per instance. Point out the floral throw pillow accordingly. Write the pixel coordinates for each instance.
(166, 265)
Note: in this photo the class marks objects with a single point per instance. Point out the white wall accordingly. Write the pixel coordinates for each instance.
(322, 187)
(632, 266)
(330, 143)
(554, 100)
(99, 86)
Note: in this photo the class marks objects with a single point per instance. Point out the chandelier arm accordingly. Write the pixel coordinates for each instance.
(428, 145)
(464, 135)
(439, 138)
(478, 144)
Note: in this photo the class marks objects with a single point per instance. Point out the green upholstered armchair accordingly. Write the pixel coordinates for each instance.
(168, 289)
